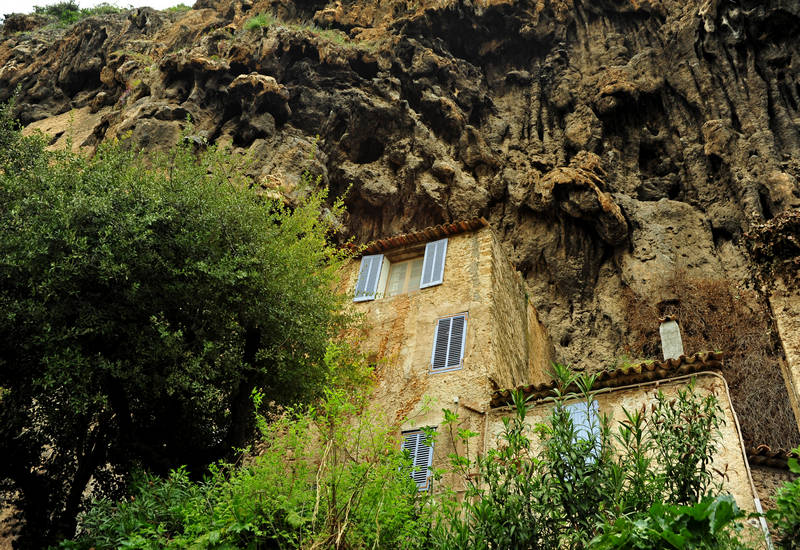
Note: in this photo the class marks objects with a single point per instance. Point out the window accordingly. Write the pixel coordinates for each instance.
(421, 453)
(586, 423)
(378, 276)
(404, 277)
(448, 343)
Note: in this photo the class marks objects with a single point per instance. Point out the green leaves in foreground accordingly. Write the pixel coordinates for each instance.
(786, 515)
(709, 524)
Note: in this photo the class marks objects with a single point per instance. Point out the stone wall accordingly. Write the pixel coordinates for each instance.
(399, 332)
(730, 459)
(522, 348)
(505, 344)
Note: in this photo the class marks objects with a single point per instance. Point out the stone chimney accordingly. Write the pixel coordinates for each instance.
(671, 342)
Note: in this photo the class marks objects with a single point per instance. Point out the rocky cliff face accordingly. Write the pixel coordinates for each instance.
(610, 143)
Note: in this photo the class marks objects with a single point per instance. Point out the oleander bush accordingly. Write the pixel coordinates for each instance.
(567, 484)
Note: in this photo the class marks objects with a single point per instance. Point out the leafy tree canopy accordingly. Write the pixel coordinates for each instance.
(143, 299)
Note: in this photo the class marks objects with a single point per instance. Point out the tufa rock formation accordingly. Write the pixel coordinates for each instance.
(609, 143)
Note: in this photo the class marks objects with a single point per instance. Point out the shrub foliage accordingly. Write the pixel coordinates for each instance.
(330, 476)
(786, 515)
(333, 476)
(69, 12)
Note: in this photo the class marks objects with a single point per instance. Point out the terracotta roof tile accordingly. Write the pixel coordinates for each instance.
(642, 372)
(764, 456)
(425, 235)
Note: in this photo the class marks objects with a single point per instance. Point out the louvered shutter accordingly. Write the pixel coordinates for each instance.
(368, 276)
(433, 263)
(448, 342)
(421, 457)
(586, 424)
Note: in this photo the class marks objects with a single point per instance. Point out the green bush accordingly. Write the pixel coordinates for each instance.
(259, 21)
(786, 515)
(564, 493)
(710, 524)
(143, 299)
(330, 476)
(69, 12)
(178, 8)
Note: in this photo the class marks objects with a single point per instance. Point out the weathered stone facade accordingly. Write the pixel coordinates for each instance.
(506, 347)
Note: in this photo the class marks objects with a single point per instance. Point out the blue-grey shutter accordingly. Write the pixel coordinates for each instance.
(433, 263)
(458, 333)
(448, 342)
(440, 342)
(368, 276)
(421, 457)
(586, 423)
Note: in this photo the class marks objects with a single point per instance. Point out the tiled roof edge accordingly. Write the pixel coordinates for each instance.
(763, 455)
(425, 235)
(641, 372)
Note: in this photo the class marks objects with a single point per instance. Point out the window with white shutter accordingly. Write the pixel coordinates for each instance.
(433, 264)
(586, 424)
(421, 452)
(369, 275)
(448, 343)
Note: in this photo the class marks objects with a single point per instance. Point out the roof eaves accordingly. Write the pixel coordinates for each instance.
(424, 235)
(641, 372)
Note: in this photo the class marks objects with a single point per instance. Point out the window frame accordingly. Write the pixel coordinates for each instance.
(407, 278)
(421, 436)
(463, 351)
(428, 252)
(592, 428)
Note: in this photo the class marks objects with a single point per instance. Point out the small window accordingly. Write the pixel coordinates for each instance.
(404, 277)
(421, 452)
(586, 423)
(378, 276)
(448, 343)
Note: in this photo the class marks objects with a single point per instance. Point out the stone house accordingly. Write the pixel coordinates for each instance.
(450, 320)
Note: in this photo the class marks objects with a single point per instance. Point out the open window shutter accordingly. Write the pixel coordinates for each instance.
(368, 277)
(421, 457)
(448, 342)
(433, 264)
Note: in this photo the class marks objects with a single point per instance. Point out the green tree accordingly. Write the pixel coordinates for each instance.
(142, 300)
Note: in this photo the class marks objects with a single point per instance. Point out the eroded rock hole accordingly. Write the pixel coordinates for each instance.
(364, 69)
(368, 151)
